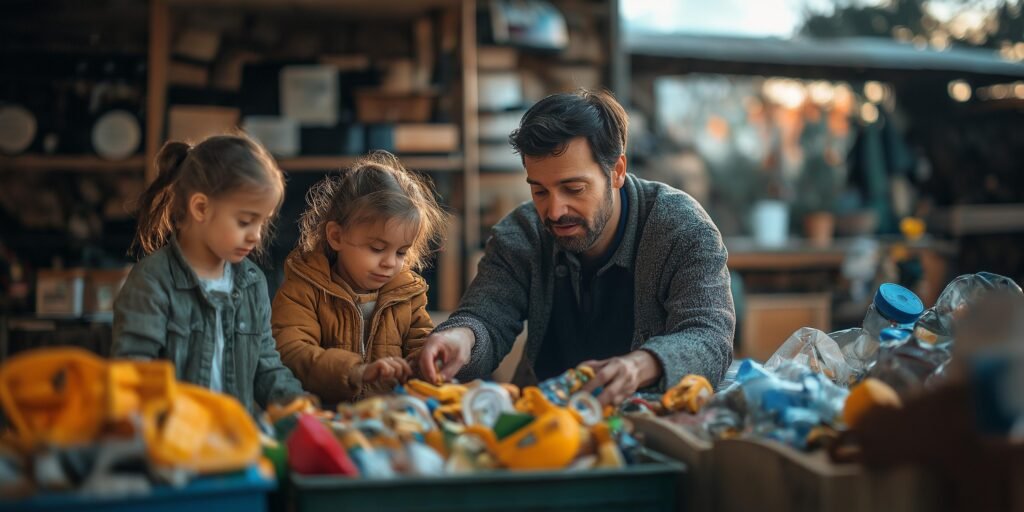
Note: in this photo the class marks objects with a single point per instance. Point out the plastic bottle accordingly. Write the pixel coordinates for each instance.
(893, 306)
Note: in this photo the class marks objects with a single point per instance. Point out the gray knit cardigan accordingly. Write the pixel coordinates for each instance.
(683, 310)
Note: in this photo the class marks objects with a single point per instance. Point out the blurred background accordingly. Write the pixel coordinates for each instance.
(837, 145)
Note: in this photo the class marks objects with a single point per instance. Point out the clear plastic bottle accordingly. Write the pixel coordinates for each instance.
(893, 306)
(935, 328)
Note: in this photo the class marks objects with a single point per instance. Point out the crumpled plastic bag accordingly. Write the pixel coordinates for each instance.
(937, 326)
(783, 404)
(816, 350)
(859, 348)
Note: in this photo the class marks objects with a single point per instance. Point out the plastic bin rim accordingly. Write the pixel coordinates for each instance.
(657, 464)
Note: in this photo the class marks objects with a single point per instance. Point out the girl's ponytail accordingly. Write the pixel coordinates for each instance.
(155, 222)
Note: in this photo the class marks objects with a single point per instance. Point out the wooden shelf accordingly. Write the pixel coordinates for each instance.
(358, 9)
(334, 163)
(979, 219)
(75, 163)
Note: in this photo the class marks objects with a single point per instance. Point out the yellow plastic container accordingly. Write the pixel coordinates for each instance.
(550, 441)
(203, 431)
(54, 396)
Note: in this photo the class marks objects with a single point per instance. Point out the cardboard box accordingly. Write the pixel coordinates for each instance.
(60, 293)
(499, 156)
(497, 126)
(377, 106)
(194, 123)
(188, 74)
(310, 95)
(415, 138)
(500, 90)
(198, 44)
(771, 318)
(280, 135)
(497, 58)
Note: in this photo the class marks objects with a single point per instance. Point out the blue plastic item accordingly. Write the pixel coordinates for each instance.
(898, 303)
(893, 335)
(750, 370)
(244, 491)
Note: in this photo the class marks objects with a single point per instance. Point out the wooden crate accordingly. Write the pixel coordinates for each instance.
(756, 475)
(696, 486)
(767, 476)
(771, 318)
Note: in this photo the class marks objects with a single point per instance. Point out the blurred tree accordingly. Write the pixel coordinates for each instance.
(1000, 26)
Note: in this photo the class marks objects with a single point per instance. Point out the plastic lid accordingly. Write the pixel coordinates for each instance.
(898, 303)
(893, 334)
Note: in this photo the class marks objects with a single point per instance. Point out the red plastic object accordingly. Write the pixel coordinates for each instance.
(312, 450)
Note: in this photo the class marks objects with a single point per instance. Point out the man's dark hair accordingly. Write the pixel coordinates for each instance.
(548, 126)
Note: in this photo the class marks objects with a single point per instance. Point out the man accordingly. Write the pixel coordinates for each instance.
(622, 274)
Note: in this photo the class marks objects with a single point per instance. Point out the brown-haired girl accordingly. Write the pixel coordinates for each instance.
(352, 310)
(196, 299)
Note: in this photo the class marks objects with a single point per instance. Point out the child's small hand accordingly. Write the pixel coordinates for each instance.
(388, 368)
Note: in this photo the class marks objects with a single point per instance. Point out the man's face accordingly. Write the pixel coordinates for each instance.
(573, 196)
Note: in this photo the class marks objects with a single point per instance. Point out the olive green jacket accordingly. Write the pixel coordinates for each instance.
(163, 312)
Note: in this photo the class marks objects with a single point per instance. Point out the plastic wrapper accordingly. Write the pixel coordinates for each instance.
(816, 350)
(909, 366)
(783, 404)
(937, 326)
(859, 349)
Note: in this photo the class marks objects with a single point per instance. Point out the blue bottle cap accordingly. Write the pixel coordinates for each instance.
(890, 334)
(898, 303)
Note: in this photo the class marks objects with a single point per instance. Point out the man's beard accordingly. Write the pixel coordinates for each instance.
(582, 242)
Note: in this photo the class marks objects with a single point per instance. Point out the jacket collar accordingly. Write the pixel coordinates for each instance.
(315, 269)
(243, 273)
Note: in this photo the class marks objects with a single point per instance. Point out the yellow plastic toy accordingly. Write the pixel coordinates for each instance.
(275, 412)
(202, 431)
(69, 396)
(550, 441)
(608, 454)
(870, 393)
(56, 396)
(913, 228)
(132, 383)
(444, 393)
(690, 394)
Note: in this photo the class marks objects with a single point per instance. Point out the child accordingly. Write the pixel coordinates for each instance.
(196, 299)
(351, 310)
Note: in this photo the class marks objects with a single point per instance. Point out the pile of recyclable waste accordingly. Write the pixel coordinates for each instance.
(817, 385)
(425, 429)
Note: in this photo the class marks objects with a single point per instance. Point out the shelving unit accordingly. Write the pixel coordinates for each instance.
(416, 163)
(459, 171)
(464, 199)
(74, 163)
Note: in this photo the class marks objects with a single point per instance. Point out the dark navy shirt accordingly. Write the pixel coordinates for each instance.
(592, 314)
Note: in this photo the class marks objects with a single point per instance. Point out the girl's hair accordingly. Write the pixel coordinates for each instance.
(216, 166)
(377, 187)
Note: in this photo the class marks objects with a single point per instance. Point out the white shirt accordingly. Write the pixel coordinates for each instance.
(219, 290)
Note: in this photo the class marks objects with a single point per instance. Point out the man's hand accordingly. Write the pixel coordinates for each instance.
(451, 347)
(388, 368)
(621, 376)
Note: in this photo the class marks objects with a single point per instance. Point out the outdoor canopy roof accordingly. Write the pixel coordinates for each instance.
(842, 58)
